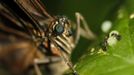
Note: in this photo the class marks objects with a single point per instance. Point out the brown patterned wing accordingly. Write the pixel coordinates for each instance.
(10, 24)
(36, 11)
(17, 49)
(34, 7)
(27, 14)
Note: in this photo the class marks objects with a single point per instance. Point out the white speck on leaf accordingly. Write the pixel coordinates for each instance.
(106, 26)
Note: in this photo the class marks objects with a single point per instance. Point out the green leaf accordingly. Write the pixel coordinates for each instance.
(119, 59)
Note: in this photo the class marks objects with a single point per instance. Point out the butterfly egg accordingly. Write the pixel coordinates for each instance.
(106, 26)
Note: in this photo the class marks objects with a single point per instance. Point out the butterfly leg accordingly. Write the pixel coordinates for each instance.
(37, 69)
(82, 29)
(44, 61)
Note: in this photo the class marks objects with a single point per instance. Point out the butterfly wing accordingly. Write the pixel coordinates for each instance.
(17, 49)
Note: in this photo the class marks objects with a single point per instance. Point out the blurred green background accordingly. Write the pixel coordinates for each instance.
(94, 11)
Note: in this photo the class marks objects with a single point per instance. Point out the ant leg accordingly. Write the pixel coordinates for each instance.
(83, 30)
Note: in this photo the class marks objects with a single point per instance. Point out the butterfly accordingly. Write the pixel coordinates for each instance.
(29, 36)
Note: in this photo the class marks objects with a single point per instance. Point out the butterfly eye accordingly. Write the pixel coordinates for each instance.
(59, 29)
